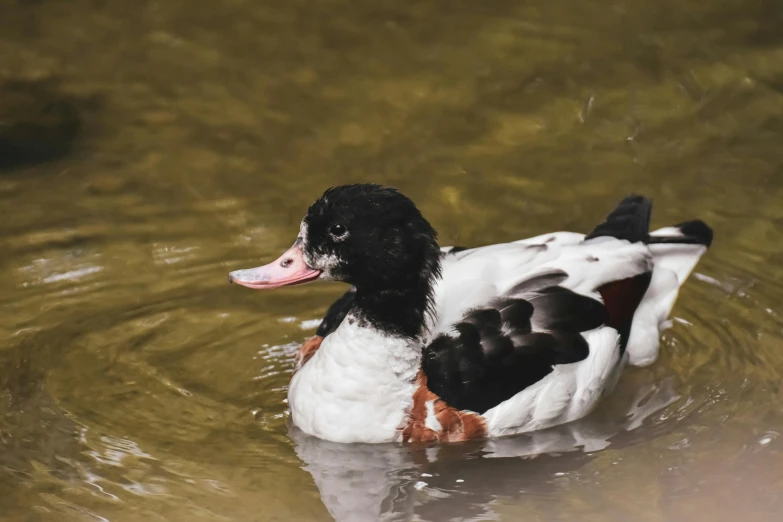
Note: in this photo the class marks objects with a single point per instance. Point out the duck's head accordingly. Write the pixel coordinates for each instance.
(367, 235)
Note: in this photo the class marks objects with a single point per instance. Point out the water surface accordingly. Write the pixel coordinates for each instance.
(136, 384)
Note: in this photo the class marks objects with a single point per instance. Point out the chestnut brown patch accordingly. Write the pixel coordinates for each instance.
(455, 425)
(307, 350)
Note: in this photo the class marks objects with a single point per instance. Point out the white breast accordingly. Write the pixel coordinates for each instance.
(357, 387)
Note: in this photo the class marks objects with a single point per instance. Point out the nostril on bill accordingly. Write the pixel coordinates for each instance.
(285, 263)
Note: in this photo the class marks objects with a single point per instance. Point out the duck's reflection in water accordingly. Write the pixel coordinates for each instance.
(365, 482)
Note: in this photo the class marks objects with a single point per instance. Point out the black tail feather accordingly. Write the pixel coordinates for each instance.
(630, 221)
(694, 232)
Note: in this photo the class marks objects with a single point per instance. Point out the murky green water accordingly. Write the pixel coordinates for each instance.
(136, 384)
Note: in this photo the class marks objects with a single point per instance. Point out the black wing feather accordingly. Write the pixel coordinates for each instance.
(558, 308)
(498, 351)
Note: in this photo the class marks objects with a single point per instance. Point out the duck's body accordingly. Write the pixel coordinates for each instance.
(484, 342)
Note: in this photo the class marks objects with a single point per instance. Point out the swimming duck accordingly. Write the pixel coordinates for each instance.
(450, 344)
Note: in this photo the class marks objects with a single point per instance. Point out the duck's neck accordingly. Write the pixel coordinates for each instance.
(398, 312)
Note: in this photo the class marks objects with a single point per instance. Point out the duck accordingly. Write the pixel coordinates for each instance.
(439, 345)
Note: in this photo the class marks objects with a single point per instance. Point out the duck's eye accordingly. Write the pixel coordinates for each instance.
(338, 232)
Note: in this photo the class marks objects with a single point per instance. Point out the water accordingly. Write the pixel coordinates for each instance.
(136, 384)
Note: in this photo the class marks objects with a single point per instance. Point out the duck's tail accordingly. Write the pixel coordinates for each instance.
(675, 250)
(631, 221)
